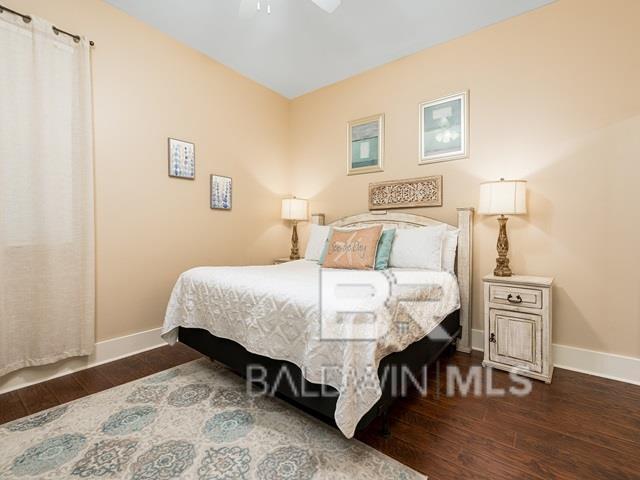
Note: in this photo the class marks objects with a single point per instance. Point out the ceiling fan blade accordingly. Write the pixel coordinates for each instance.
(328, 6)
(247, 8)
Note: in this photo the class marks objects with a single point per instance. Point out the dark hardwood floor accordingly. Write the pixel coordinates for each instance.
(579, 427)
(41, 396)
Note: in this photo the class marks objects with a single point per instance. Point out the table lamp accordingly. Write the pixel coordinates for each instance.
(295, 210)
(504, 197)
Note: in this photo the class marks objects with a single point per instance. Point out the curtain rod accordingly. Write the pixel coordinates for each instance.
(56, 30)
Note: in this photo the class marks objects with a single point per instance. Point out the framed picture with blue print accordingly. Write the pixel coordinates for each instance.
(366, 145)
(182, 159)
(444, 129)
(221, 192)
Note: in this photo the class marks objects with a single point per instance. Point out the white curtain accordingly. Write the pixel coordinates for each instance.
(46, 196)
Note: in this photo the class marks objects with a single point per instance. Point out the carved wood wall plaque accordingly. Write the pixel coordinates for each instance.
(413, 192)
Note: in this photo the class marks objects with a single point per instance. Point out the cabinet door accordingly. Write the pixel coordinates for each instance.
(516, 339)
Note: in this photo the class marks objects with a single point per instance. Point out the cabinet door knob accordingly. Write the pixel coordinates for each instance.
(492, 338)
(510, 299)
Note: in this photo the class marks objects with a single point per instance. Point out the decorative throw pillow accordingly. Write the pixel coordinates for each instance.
(353, 248)
(449, 247)
(418, 248)
(318, 235)
(384, 248)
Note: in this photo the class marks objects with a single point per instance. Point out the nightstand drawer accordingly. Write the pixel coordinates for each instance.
(516, 296)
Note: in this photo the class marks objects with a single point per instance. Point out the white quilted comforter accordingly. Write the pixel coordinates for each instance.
(274, 311)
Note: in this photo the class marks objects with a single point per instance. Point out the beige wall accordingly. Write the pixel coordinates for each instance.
(554, 99)
(150, 227)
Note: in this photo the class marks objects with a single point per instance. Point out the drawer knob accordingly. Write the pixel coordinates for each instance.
(510, 299)
(492, 338)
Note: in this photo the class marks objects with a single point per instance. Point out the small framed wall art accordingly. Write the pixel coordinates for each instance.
(366, 145)
(444, 129)
(182, 159)
(221, 192)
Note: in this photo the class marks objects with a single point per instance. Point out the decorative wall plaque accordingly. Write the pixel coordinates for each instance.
(413, 192)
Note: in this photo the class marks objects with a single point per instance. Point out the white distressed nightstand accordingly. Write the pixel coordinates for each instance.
(517, 325)
(278, 261)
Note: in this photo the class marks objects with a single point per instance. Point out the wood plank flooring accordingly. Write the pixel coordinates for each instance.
(41, 396)
(579, 427)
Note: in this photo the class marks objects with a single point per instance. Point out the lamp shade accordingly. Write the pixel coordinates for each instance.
(504, 197)
(294, 209)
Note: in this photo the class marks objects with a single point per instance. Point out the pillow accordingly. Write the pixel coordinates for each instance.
(318, 235)
(384, 229)
(384, 248)
(325, 248)
(449, 247)
(353, 248)
(418, 248)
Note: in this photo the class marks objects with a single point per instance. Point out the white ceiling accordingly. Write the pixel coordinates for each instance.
(299, 47)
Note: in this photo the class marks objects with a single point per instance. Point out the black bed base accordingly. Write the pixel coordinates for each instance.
(320, 400)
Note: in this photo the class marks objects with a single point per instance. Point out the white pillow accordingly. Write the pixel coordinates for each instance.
(418, 248)
(449, 246)
(318, 235)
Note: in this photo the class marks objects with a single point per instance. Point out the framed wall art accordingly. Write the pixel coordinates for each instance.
(317, 218)
(413, 192)
(182, 159)
(221, 192)
(366, 145)
(444, 129)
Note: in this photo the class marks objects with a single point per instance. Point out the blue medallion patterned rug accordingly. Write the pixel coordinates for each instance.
(195, 421)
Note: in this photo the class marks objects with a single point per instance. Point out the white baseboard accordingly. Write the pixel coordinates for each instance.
(106, 351)
(591, 362)
(477, 340)
(600, 364)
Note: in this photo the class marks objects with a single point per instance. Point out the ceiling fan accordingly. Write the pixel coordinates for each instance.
(249, 7)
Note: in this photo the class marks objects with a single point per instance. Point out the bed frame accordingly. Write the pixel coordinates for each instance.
(320, 400)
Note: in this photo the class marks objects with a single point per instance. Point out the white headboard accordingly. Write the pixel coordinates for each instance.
(463, 258)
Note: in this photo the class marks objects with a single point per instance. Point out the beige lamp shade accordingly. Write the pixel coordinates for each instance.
(294, 209)
(504, 197)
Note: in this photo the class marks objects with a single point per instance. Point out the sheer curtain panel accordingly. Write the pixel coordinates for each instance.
(46, 196)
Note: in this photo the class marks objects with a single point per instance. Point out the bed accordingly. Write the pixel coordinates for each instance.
(266, 319)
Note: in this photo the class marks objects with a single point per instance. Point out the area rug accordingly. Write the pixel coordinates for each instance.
(195, 421)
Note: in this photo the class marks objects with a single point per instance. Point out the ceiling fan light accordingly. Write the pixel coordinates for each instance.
(328, 6)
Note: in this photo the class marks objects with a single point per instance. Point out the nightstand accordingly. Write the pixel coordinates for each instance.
(278, 261)
(517, 325)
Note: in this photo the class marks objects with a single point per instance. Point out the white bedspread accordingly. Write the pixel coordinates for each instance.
(274, 311)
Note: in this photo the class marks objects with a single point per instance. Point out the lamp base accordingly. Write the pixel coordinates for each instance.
(502, 267)
(502, 262)
(295, 253)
